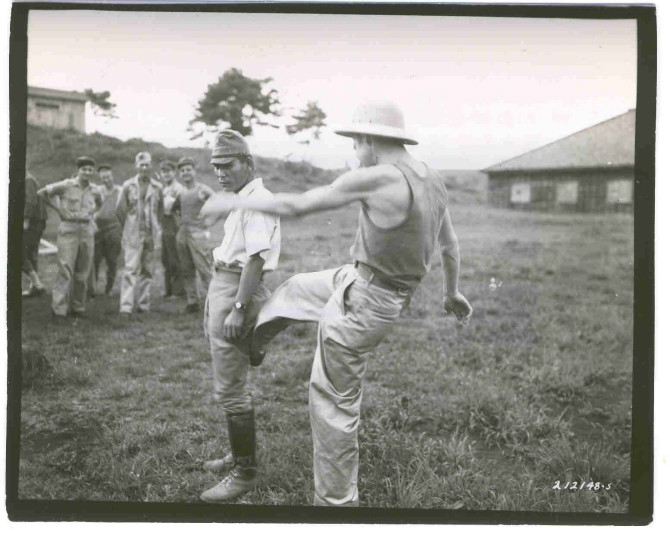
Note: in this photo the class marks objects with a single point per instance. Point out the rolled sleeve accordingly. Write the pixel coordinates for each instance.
(57, 188)
(258, 229)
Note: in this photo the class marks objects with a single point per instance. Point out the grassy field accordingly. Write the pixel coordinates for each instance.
(536, 390)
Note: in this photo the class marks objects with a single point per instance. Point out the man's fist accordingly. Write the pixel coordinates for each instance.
(459, 306)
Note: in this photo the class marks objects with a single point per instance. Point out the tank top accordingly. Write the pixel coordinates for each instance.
(191, 201)
(403, 253)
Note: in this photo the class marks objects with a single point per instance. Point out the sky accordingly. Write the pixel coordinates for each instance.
(475, 91)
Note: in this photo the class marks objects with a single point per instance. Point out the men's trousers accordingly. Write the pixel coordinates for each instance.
(138, 270)
(171, 268)
(195, 256)
(107, 246)
(230, 360)
(31, 244)
(75, 258)
(354, 317)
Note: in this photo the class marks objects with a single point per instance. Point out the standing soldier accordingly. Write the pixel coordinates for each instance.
(34, 221)
(138, 208)
(250, 248)
(403, 218)
(79, 200)
(170, 225)
(108, 235)
(195, 255)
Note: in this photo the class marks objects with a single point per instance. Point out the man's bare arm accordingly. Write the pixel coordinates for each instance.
(356, 185)
(249, 281)
(453, 300)
(449, 255)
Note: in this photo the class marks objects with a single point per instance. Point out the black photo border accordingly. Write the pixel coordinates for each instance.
(641, 482)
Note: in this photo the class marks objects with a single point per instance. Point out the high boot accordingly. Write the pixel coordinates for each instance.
(243, 476)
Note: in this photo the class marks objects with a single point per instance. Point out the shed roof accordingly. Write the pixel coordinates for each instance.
(607, 144)
(56, 93)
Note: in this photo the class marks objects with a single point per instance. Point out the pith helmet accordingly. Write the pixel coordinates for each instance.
(229, 145)
(383, 119)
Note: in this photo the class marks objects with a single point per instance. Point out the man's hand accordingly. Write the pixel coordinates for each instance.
(460, 307)
(232, 327)
(26, 224)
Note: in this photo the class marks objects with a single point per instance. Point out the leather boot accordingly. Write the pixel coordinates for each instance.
(243, 477)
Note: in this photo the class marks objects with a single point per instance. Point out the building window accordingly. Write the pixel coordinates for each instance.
(567, 192)
(620, 192)
(48, 105)
(520, 192)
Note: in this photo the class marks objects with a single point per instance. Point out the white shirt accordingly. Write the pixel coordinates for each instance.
(248, 232)
(170, 193)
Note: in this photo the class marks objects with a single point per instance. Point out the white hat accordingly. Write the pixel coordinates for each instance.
(383, 119)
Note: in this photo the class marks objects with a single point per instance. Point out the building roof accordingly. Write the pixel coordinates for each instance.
(607, 144)
(56, 93)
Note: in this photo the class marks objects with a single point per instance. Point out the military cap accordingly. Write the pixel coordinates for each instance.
(167, 164)
(142, 157)
(83, 161)
(186, 160)
(104, 166)
(228, 146)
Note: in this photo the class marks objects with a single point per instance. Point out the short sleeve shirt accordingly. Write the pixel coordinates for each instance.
(248, 232)
(76, 201)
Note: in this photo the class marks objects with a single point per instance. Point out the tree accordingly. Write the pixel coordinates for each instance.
(236, 101)
(312, 117)
(101, 104)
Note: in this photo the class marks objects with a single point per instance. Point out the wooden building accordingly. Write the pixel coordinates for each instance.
(589, 171)
(57, 109)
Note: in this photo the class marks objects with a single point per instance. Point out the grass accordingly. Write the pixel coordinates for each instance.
(536, 390)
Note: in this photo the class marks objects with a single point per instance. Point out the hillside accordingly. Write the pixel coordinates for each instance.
(51, 156)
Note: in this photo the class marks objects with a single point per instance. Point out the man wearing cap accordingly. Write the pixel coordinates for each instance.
(170, 225)
(34, 221)
(249, 249)
(138, 208)
(195, 255)
(79, 201)
(108, 235)
(403, 215)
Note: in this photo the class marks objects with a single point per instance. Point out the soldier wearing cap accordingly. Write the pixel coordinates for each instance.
(138, 208)
(249, 249)
(108, 234)
(78, 202)
(195, 255)
(170, 224)
(34, 221)
(403, 217)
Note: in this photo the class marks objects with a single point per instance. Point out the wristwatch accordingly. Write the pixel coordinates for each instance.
(240, 306)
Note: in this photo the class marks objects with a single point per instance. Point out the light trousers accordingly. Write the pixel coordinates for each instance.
(354, 317)
(75, 258)
(139, 261)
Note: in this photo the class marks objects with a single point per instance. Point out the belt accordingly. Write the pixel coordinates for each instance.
(376, 278)
(76, 220)
(230, 268)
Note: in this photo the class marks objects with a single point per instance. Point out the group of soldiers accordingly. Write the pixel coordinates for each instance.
(98, 221)
(403, 220)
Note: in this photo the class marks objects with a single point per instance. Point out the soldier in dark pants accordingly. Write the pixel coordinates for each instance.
(108, 235)
(34, 221)
(174, 285)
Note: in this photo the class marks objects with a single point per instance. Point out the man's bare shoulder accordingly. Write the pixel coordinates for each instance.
(369, 178)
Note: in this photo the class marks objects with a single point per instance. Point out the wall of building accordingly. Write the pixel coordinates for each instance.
(57, 113)
(596, 190)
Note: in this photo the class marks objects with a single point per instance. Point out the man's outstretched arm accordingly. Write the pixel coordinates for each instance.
(453, 301)
(356, 185)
